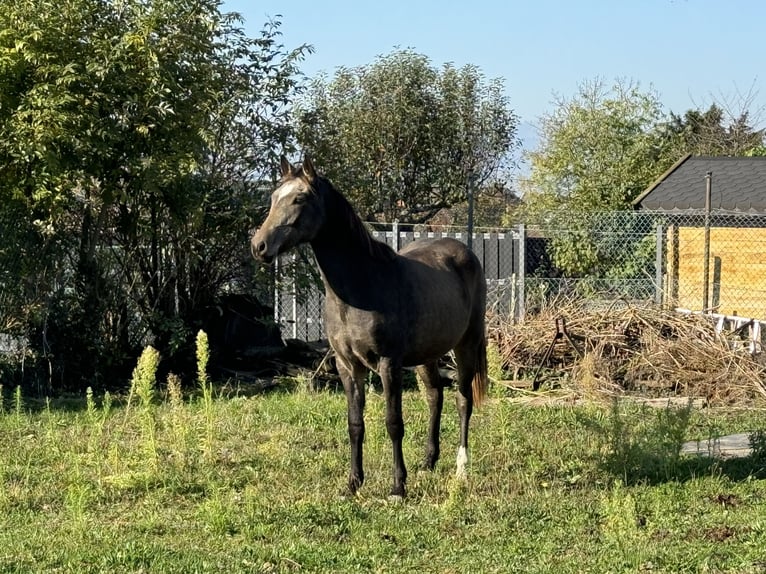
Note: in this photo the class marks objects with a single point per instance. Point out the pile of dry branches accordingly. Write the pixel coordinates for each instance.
(645, 350)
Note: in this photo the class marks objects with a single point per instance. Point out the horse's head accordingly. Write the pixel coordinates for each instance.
(296, 215)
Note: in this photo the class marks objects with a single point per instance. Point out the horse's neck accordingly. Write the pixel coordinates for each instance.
(348, 268)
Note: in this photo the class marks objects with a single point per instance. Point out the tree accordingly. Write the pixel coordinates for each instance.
(130, 136)
(404, 139)
(597, 152)
(710, 132)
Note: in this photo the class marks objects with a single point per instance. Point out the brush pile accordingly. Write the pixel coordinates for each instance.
(643, 350)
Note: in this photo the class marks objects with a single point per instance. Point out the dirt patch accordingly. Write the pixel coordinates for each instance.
(719, 533)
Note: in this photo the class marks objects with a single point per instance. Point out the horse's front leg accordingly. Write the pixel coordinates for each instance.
(391, 375)
(353, 376)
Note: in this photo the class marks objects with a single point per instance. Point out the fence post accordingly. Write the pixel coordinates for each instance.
(659, 288)
(395, 232)
(521, 272)
(295, 298)
(277, 276)
(706, 261)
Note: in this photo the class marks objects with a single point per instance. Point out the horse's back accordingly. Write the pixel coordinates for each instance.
(447, 255)
(441, 245)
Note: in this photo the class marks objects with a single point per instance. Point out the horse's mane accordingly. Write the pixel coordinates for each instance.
(339, 208)
(349, 218)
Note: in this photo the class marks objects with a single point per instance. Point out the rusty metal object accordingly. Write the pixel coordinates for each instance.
(561, 332)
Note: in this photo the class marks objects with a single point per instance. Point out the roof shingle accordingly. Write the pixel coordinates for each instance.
(738, 184)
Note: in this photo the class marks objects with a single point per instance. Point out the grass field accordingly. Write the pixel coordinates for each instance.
(233, 483)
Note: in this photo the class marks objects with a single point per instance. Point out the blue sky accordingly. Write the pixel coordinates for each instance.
(691, 52)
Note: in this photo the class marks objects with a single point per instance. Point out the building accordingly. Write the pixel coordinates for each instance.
(715, 260)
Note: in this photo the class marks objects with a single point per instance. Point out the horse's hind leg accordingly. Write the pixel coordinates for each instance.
(434, 390)
(465, 356)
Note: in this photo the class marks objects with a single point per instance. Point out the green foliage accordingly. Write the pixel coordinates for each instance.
(144, 376)
(206, 387)
(758, 446)
(178, 425)
(18, 403)
(90, 406)
(599, 150)
(218, 513)
(203, 356)
(647, 450)
(106, 406)
(142, 386)
(616, 250)
(623, 529)
(757, 151)
(494, 362)
(130, 137)
(403, 139)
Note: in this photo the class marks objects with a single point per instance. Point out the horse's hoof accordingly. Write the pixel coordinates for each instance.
(355, 483)
(397, 494)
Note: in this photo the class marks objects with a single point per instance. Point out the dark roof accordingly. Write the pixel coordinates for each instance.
(738, 184)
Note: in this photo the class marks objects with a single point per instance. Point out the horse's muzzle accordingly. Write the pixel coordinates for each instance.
(259, 249)
(268, 242)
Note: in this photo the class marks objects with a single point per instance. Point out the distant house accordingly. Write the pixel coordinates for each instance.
(736, 245)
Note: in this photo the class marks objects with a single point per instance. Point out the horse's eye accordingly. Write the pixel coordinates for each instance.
(300, 198)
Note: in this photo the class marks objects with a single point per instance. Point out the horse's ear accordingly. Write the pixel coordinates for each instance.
(308, 168)
(284, 166)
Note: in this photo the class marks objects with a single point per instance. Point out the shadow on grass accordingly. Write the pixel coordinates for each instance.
(645, 447)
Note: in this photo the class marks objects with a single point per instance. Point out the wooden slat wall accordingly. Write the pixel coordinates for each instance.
(737, 282)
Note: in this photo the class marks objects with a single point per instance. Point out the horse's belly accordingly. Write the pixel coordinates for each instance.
(362, 335)
(433, 336)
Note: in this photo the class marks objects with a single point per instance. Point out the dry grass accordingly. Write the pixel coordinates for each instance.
(654, 351)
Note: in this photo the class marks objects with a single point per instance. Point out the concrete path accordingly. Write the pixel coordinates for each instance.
(730, 446)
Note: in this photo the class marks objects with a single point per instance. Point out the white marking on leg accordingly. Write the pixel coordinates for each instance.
(462, 462)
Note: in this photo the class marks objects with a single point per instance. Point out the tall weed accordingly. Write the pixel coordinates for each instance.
(178, 422)
(647, 446)
(206, 387)
(142, 386)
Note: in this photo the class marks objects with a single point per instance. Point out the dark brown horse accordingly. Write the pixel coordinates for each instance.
(385, 311)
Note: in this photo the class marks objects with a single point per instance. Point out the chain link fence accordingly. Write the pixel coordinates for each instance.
(691, 261)
(19, 293)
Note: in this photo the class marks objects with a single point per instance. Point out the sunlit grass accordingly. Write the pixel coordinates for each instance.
(257, 484)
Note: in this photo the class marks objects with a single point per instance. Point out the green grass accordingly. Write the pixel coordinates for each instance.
(156, 488)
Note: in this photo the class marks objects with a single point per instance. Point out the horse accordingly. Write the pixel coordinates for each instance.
(385, 310)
